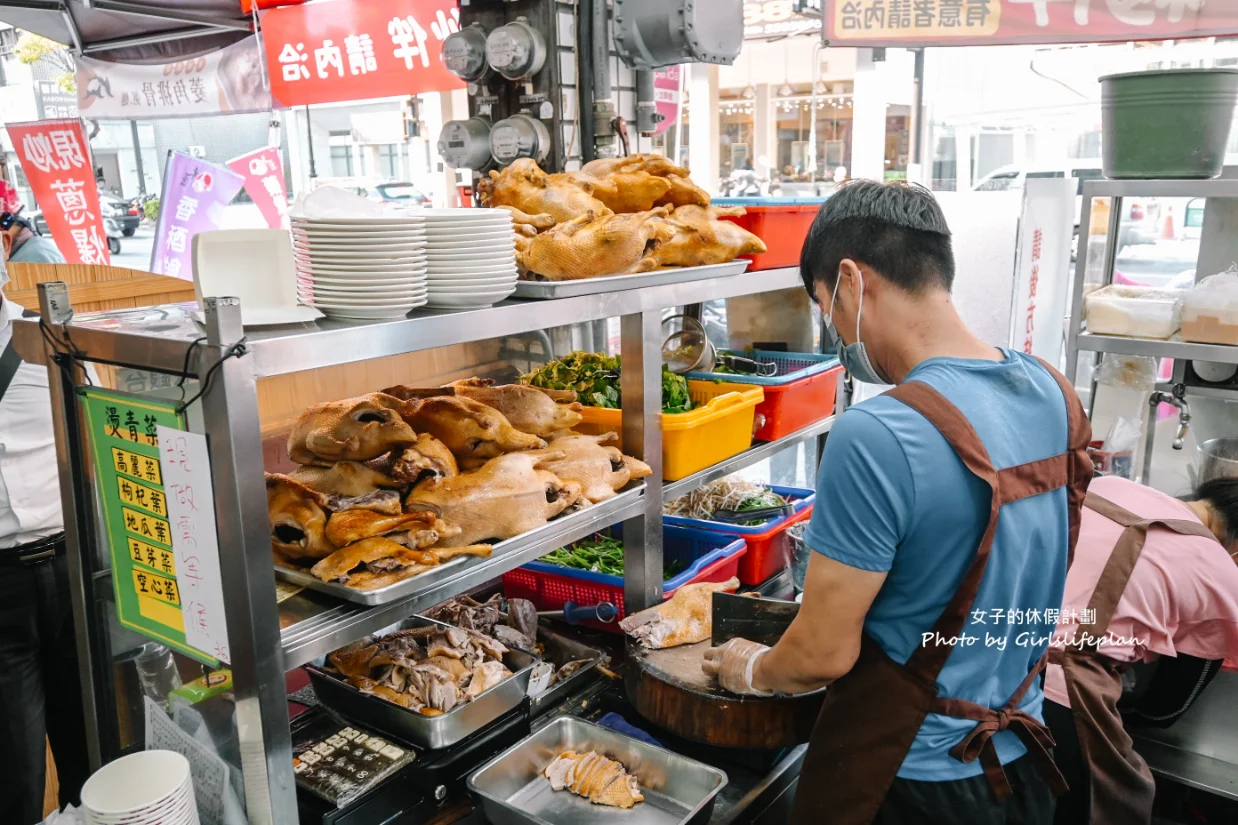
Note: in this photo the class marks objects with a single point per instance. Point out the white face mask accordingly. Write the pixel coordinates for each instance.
(854, 357)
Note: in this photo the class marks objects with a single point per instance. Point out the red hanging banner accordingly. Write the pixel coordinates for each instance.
(264, 181)
(912, 23)
(339, 50)
(55, 156)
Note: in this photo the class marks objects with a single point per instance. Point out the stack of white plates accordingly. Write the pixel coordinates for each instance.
(143, 788)
(471, 257)
(361, 268)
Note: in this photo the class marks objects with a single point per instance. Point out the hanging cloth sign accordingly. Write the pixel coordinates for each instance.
(195, 194)
(264, 181)
(880, 23)
(55, 157)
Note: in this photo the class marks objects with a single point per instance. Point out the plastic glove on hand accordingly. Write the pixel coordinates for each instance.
(733, 664)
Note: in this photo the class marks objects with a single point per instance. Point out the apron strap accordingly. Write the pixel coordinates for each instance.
(1079, 470)
(926, 661)
(1036, 477)
(1121, 564)
(978, 744)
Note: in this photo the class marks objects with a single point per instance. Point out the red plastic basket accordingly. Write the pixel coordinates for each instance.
(791, 403)
(768, 552)
(551, 591)
(783, 228)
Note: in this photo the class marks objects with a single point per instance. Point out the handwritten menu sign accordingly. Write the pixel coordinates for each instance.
(139, 514)
(191, 509)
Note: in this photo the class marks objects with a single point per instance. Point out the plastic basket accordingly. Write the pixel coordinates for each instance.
(783, 224)
(769, 546)
(803, 392)
(720, 428)
(711, 557)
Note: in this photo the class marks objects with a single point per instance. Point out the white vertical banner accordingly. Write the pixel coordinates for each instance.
(1042, 268)
(195, 542)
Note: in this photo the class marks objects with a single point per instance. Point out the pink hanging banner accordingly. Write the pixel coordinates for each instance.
(264, 181)
(666, 94)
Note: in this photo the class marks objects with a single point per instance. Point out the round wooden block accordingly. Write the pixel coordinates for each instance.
(668, 688)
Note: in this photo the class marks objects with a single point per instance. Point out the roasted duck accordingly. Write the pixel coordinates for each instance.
(470, 429)
(423, 528)
(683, 192)
(345, 478)
(529, 409)
(538, 222)
(526, 187)
(701, 239)
(600, 780)
(600, 471)
(595, 244)
(425, 669)
(298, 519)
(427, 458)
(355, 429)
(634, 191)
(687, 618)
(651, 164)
(380, 561)
(508, 496)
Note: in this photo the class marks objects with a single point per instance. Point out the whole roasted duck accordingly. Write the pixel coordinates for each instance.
(701, 239)
(600, 471)
(507, 496)
(355, 429)
(594, 244)
(528, 409)
(298, 519)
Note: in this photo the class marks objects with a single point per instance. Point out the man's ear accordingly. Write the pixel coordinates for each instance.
(8, 244)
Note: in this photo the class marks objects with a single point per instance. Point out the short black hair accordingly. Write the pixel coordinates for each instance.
(898, 229)
(1221, 494)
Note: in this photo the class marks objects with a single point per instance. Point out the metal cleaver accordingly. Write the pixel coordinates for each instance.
(752, 618)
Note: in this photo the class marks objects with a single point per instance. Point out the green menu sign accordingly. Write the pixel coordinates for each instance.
(124, 442)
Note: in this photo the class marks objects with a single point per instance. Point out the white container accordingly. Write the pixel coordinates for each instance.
(1210, 310)
(1134, 311)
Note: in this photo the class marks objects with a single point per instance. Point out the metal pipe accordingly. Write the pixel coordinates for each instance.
(309, 134)
(137, 156)
(603, 96)
(71, 25)
(647, 117)
(917, 110)
(150, 39)
(169, 13)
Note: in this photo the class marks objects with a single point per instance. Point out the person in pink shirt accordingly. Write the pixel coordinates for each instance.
(1152, 576)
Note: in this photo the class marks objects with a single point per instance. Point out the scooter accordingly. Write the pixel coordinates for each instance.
(114, 233)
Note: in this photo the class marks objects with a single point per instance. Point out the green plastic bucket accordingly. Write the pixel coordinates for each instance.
(1167, 124)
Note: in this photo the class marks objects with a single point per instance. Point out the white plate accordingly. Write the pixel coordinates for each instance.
(413, 266)
(495, 293)
(361, 235)
(443, 270)
(364, 223)
(136, 781)
(351, 295)
(360, 246)
(462, 243)
(362, 283)
(401, 306)
(452, 211)
(392, 311)
(345, 257)
(476, 283)
(376, 272)
(439, 234)
(462, 301)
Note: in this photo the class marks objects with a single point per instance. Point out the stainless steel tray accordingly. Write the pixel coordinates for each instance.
(427, 731)
(513, 791)
(543, 290)
(559, 650)
(399, 590)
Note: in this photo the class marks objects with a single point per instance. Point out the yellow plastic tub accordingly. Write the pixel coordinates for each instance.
(718, 429)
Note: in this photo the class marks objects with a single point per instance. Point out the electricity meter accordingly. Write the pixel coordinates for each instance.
(465, 144)
(516, 50)
(520, 136)
(464, 53)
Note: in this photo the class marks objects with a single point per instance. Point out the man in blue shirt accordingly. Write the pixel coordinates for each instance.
(946, 512)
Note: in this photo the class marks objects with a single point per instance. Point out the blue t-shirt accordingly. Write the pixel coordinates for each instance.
(892, 496)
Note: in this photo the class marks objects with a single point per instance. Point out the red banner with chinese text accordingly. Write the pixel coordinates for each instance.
(339, 50)
(55, 156)
(264, 181)
(996, 22)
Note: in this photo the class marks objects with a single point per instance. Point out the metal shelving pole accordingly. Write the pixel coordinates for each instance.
(263, 647)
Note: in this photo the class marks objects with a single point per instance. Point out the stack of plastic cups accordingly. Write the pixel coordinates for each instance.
(141, 789)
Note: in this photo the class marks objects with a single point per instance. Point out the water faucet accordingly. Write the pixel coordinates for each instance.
(1178, 399)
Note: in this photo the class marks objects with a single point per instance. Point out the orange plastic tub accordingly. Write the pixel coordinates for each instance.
(783, 224)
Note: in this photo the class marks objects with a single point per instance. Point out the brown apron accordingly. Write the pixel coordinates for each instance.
(871, 716)
(1122, 788)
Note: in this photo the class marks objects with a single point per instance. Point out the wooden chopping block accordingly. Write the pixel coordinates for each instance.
(668, 688)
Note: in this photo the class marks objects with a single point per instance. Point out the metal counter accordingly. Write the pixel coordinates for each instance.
(1200, 750)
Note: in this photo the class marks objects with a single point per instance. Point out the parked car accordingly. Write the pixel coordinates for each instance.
(111, 228)
(121, 211)
(395, 194)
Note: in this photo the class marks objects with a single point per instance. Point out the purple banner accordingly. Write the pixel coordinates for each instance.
(195, 194)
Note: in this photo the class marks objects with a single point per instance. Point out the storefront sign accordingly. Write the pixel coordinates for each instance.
(191, 514)
(55, 156)
(226, 81)
(338, 50)
(778, 18)
(1042, 268)
(264, 181)
(54, 102)
(195, 194)
(147, 573)
(666, 86)
(992, 22)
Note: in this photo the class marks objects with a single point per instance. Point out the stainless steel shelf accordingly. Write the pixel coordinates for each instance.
(1158, 349)
(1159, 188)
(762, 451)
(158, 337)
(322, 625)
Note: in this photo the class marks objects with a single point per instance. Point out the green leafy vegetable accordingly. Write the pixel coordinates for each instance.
(594, 377)
(728, 493)
(601, 553)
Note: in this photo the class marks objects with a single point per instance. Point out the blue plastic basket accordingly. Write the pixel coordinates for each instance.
(800, 499)
(691, 547)
(792, 366)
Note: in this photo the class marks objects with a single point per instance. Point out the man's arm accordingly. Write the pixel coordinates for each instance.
(823, 642)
